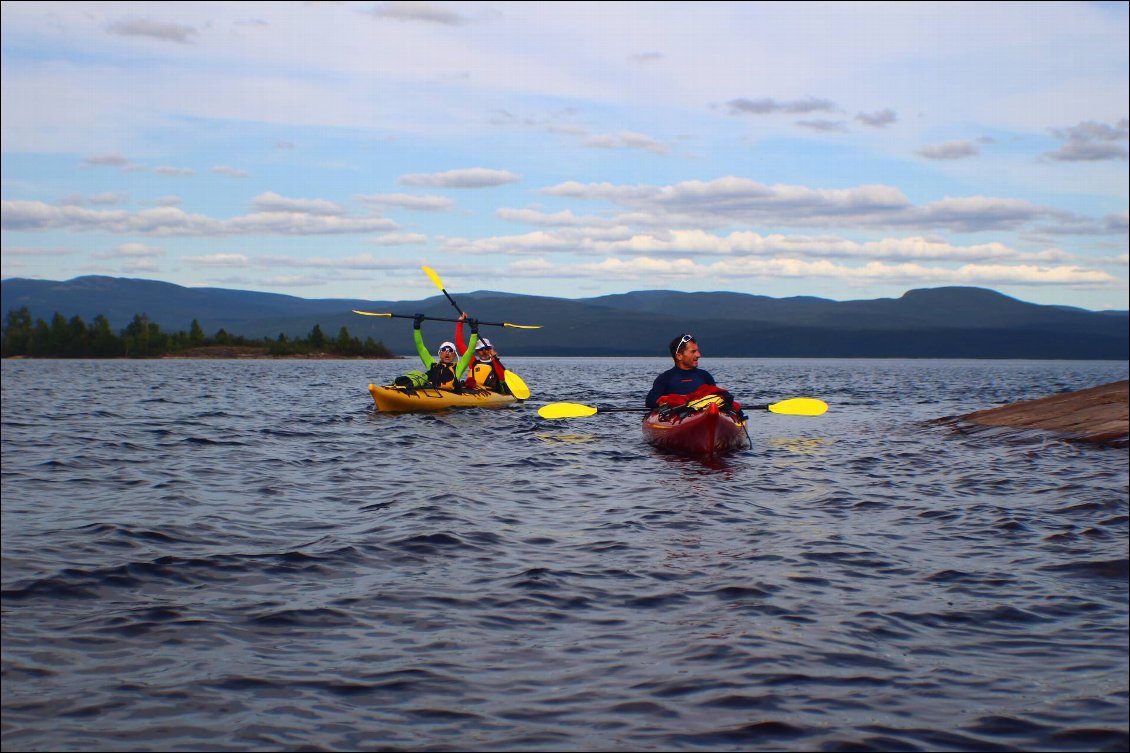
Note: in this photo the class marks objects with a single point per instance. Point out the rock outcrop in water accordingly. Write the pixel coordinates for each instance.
(1097, 414)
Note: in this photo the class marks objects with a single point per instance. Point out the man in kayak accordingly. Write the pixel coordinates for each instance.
(445, 372)
(685, 376)
(486, 371)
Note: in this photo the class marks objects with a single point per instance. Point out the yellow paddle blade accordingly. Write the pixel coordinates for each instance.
(565, 410)
(435, 278)
(800, 406)
(521, 326)
(369, 313)
(517, 387)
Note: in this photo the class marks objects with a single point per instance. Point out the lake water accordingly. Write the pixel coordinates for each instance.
(243, 555)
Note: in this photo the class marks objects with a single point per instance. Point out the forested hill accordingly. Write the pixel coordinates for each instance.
(952, 322)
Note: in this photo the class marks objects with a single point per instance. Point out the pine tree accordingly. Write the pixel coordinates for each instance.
(17, 333)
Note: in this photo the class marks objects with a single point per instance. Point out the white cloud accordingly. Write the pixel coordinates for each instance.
(473, 177)
(1092, 131)
(538, 241)
(28, 216)
(411, 202)
(880, 119)
(824, 126)
(102, 199)
(113, 160)
(1091, 142)
(217, 260)
(133, 266)
(359, 261)
(564, 218)
(732, 200)
(161, 30)
(1080, 151)
(292, 281)
(131, 251)
(272, 202)
(399, 239)
(950, 150)
(233, 172)
(769, 106)
(626, 140)
(419, 11)
(683, 269)
(621, 242)
(43, 252)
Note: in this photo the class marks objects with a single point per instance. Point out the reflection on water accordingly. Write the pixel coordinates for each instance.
(555, 437)
(800, 445)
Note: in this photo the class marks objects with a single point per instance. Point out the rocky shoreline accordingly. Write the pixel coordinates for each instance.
(1098, 415)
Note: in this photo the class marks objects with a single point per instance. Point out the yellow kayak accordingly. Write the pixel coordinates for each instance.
(394, 399)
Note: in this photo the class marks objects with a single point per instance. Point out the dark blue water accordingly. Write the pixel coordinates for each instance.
(243, 555)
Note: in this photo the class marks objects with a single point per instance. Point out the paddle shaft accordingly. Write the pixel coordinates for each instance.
(648, 410)
(437, 319)
(797, 406)
(453, 303)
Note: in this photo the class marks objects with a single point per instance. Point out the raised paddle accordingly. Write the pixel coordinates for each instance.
(797, 406)
(439, 284)
(517, 387)
(442, 319)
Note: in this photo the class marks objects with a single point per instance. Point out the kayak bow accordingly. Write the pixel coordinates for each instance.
(701, 433)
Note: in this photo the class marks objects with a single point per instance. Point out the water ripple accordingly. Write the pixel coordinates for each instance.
(249, 557)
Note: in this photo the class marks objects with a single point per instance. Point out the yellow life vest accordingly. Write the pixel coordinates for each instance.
(441, 375)
(481, 372)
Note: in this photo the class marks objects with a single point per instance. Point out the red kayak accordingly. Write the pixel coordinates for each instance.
(702, 433)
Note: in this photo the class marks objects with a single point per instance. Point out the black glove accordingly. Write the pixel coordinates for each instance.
(417, 321)
(474, 326)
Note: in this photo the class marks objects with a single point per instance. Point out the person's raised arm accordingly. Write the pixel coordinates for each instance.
(459, 344)
(469, 353)
(418, 337)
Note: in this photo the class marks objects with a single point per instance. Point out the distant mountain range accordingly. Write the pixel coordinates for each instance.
(950, 322)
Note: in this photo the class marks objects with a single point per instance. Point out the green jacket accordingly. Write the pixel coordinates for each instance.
(429, 360)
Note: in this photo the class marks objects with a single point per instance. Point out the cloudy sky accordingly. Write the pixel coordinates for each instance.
(329, 149)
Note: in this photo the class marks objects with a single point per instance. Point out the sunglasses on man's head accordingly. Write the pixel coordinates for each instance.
(683, 341)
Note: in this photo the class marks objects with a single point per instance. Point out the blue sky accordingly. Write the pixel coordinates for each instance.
(329, 149)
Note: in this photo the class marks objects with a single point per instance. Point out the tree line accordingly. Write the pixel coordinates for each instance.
(143, 338)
